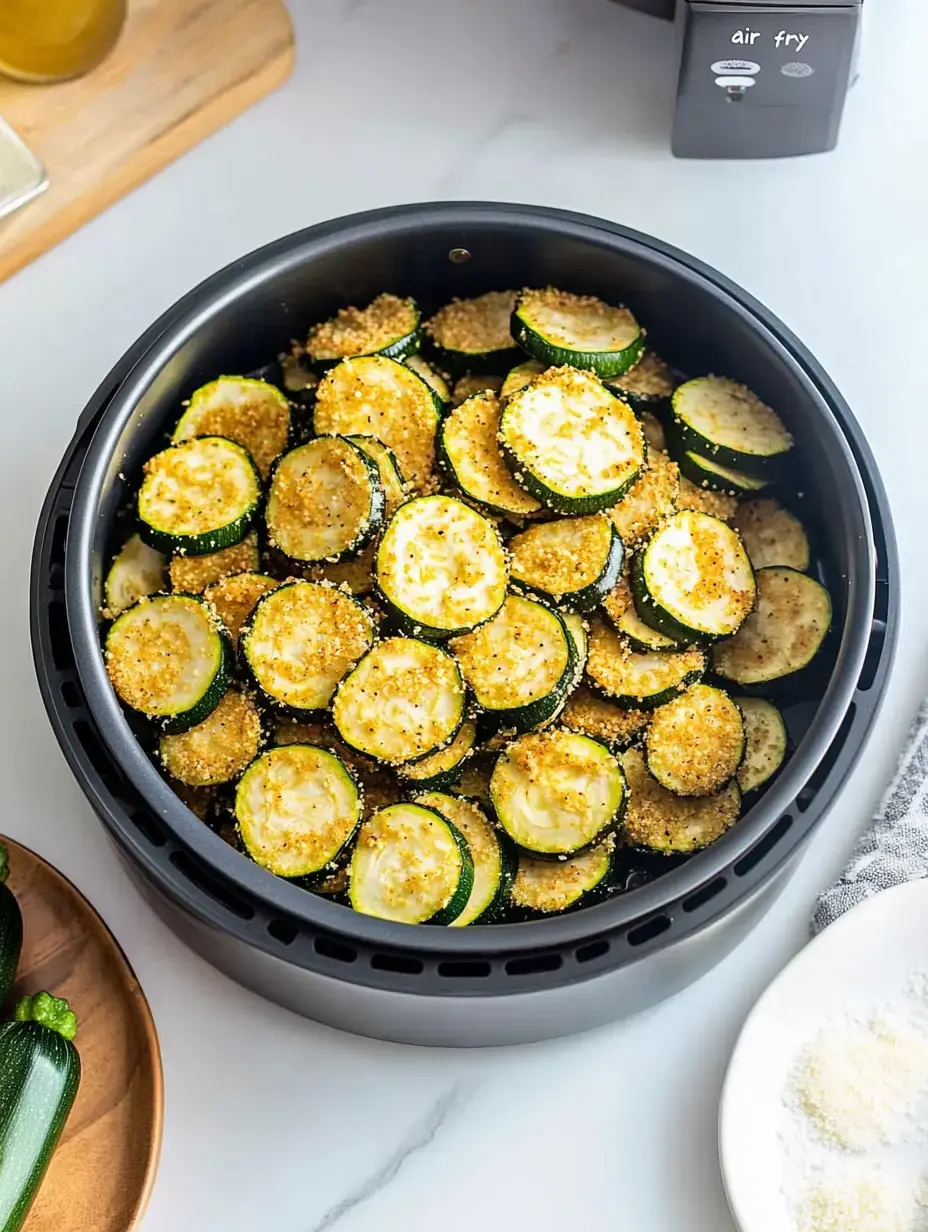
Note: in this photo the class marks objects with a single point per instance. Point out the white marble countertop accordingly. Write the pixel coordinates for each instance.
(273, 1122)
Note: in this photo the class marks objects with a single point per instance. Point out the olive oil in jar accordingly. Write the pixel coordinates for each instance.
(52, 40)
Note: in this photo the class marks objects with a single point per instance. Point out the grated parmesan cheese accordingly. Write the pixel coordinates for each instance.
(877, 1202)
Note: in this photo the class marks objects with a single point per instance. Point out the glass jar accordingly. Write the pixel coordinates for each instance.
(52, 40)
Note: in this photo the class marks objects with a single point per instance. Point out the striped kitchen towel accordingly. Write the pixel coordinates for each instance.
(894, 848)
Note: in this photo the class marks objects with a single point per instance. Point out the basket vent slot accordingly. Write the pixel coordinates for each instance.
(762, 849)
(874, 655)
(401, 964)
(59, 539)
(145, 821)
(328, 947)
(465, 969)
(282, 930)
(59, 635)
(595, 949)
(826, 765)
(70, 694)
(204, 879)
(700, 897)
(649, 930)
(535, 965)
(98, 756)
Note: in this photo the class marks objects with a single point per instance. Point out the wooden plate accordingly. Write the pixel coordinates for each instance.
(103, 1170)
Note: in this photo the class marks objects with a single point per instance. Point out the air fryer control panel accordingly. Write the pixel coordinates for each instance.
(762, 81)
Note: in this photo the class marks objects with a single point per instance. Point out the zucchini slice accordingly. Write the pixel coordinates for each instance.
(783, 635)
(198, 496)
(469, 386)
(383, 457)
(494, 864)
(548, 887)
(410, 865)
(519, 665)
(570, 443)
(727, 423)
(301, 639)
(694, 581)
(297, 378)
(620, 610)
(440, 567)
(296, 807)
(640, 681)
(469, 451)
(137, 570)
(658, 820)
(650, 500)
(518, 377)
(169, 658)
(603, 720)
(707, 473)
(252, 413)
(472, 335)
(767, 742)
(325, 502)
(193, 574)
(218, 749)
(234, 598)
(443, 769)
(375, 396)
(432, 377)
(721, 505)
(772, 535)
(388, 326)
(578, 632)
(403, 701)
(645, 387)
(696, 743)
(556, 792)
(575, 561)
(557, 327)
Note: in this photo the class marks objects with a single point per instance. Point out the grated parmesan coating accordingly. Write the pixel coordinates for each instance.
(219, 748)
(474, 326)
(696, 742)
(469, 438)
(192, 574)
(562, 557)
(603, 720)
(703, 500)
(649, 378)
(362, 331)
(234, 598)
(468, 386)
(653, 496)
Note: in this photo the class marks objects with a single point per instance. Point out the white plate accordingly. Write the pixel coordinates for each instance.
(865, 959)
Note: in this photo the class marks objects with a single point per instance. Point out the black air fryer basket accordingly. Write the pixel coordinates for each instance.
(479, 985)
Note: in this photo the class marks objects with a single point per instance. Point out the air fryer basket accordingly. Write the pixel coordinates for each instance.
(480, 985)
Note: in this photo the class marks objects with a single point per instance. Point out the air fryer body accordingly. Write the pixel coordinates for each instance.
(759, 79)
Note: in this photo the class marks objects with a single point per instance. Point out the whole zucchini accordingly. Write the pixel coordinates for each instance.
(11, 930)
(39, 1075)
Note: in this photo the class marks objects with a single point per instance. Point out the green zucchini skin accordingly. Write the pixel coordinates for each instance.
(40, 1073)
(589, 597)
(604, 364)
(11, 930)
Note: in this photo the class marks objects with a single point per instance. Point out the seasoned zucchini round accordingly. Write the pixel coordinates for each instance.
(519, 665)
(432, 377)
(650, 500)
(557, 327)
(296, 807)
(383, 457)
(198, 496)
(494, 864)
(218, 749)
(301, 639)
(575, 562)
(469, 386)
(547, 887)
(659, 820)
(137, 570)
(696, 742)
(325, 502)
(640, 681)
(388, 326)
(619, 608)
(766, 739)
(518, 377)
(603, 720)
(645, 387)
(694, 581)
(708, 473)
(727, 423)
(472, 335)
(234, 598)
(557, 792)
(440, 567)
(169, 658)
(772, 535)
(577, 629)
(252, 413)
(721, 505)
(783, 635)
(442, 769)
(193, 574)
(469, 451)
(570, 442)
(403, 701)
(410, 865)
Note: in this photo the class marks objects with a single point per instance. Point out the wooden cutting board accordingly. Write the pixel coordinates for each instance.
(181, 69)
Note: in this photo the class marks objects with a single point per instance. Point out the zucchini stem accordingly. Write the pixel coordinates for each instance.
(49, 1011)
